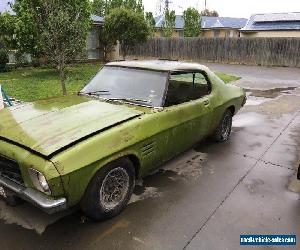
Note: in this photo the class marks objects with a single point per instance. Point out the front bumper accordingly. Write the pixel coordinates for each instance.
(34, 197)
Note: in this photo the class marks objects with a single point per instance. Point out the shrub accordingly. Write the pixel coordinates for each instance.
(3, 59)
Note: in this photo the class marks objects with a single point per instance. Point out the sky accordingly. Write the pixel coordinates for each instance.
(230, 8)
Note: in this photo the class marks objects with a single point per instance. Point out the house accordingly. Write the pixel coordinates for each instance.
(222, 26)
(273, 25)
(92, 44)
(211, 26)
(178, 29)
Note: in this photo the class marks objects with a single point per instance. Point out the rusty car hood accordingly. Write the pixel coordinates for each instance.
(48, 126)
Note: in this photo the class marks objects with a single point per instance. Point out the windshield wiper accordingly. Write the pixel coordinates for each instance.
(130, 100)
(106, 92)
(101, 92)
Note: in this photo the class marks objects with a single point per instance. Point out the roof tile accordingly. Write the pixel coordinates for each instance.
(207, 22)
(273, 21)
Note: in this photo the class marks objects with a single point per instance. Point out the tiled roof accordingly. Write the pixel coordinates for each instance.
(207, 22)
(273, 21)
(97, 19)
(179, 22)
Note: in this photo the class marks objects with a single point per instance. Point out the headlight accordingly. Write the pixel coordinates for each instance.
(39, 181)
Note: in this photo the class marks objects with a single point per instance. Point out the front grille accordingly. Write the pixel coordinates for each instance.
(10, 169)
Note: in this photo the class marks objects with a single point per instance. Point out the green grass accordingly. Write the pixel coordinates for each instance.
(30, 84)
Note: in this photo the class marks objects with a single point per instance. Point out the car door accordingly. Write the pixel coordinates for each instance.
(188, 110)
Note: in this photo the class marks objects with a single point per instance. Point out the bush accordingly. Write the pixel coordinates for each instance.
(3, 59)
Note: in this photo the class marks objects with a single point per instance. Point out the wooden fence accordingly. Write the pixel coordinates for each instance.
(252, 51)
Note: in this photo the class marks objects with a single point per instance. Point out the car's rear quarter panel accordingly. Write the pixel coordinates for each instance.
(223, 96)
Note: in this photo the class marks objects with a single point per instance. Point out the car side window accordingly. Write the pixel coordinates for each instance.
(184, 87)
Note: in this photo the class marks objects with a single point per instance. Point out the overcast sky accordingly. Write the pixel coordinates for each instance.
(231, 8)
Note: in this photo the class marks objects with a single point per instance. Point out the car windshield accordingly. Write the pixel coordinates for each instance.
(143, 87)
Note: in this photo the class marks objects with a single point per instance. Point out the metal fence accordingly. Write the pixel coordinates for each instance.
(252, 51)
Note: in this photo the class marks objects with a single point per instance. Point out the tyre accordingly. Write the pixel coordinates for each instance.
(223, 130)
(109, 190)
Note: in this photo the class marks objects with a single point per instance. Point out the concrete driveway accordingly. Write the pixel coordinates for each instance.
(206, 197)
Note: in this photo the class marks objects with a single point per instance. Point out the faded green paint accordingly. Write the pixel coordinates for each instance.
(150, 135)
(48, 130)
(28, 160)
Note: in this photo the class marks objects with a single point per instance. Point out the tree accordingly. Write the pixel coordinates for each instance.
(99, 7)
(55, 28)
(103, 7)
(3, 59)
(169, 23)
(192, 22)
(26, 29)
(133, 5)
(207, 12)
(127, 27)
(7, 31)
(63, 25)
(151, 23)
(107, 42)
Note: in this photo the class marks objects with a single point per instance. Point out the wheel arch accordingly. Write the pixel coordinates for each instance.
(136, 163)
(129, 155)
(77, 182)
(232, 109)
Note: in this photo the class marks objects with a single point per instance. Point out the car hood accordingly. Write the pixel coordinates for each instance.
(50, 125)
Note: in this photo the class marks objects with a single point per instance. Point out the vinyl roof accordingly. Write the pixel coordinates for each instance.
(207, 22)
(273, 21)
(160, 65)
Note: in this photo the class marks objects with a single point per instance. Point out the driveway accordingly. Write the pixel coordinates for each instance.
(204, 198)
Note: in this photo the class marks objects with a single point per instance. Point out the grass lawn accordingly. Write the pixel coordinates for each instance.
(30, 84)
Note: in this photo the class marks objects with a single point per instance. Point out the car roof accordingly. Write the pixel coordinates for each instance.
(160, 65)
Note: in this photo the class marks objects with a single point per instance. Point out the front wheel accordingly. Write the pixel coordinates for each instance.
(223, 130)
(110, 190)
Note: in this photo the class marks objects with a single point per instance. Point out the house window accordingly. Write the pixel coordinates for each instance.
(93, 44)
(216, 33)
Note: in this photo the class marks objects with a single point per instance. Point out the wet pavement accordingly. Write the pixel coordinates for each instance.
(204, 198)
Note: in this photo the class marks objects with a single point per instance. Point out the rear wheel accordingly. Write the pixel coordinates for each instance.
(223, 130)
(110, 190)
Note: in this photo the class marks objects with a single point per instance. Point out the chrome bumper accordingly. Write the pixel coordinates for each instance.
(34, 197)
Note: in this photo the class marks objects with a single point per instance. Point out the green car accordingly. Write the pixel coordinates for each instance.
(89, 149)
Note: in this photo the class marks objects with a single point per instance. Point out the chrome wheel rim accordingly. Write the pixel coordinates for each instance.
(114, 188)
(226, 127)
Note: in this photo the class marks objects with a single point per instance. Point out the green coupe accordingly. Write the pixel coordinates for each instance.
(90, 148)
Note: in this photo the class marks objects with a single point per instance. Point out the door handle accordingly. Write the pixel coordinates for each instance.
(206, 102)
